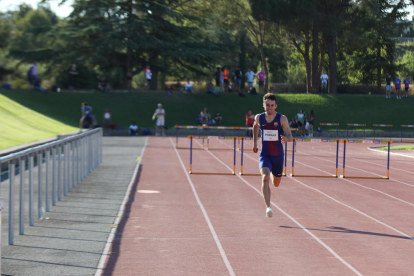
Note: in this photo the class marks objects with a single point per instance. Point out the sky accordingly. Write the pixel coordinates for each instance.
(65, 10)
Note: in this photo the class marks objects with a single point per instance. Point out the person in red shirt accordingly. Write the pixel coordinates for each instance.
(226, 78)
(249, 122)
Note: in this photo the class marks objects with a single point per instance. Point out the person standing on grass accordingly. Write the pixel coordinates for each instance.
(397, 84)
(275, 132)
(86, 115)
(216, 76)
(250, 77)
(237, 79)
(311, 121)
(261, 76)
(388, 87)
(160, 115)
(324, 79)
(407, 86)
(148, 77)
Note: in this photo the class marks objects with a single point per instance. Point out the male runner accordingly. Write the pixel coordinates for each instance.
(275, 132)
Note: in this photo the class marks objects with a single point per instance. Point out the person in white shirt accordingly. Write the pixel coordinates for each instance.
(133, 129)
(148, 77)
(250, 78)
(189, 86)
(324, 79)
(160, 115)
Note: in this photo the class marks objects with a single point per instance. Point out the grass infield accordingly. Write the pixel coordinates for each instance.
(406, 147)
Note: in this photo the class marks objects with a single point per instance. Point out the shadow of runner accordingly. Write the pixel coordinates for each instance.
(116, 243)
(350, 231)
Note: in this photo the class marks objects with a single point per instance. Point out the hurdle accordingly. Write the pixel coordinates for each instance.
(382, 125)
(330, 124)
(355, 125)
(191, 137)
(241, 158)
(368, 142)
(402, 126)
(177, 128)
(337, 141)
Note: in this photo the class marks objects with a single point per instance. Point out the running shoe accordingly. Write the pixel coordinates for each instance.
(269, 212)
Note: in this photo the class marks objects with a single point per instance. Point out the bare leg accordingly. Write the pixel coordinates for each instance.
(276, 181)
(265, 185)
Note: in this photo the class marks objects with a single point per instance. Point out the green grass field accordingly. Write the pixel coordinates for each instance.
(20, 124)
(182, 109)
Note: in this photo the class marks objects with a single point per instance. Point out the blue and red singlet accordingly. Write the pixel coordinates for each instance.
(271, 155)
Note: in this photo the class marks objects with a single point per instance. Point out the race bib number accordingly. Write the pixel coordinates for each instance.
(270, 135)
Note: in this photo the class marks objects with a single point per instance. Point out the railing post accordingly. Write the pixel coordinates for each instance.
(47, 181)
(39, 184)
(12, 166)
(64, 150)
(22, 169)
(73, 163)
(54, 177)
(31, 188)
(59, 180)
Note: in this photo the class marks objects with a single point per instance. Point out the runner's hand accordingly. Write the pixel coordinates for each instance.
(255, 149)
(283, 139)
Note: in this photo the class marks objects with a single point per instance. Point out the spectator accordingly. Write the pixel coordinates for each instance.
(406, 83)
(30, 77)
(261, 75)
(129, 79)
(73, 75)
(133, 129)
(237, 79)
(217, 76)
(299, 118)
(250, 78)
(388, 87)
(189, 87)
(249, 122)
(148, 77)
(311, 122)
(103, 85)
(218, 118)
(252, 91)
(305, 127)
(86, 116)
(207, 115)
(397, 84)
(202, 119)
(160, 115)
(222, 80)
(226, 78)
(37, 85)
(107, 118)
(211, 88)
(305, 119)
(324, 78)
(34, 70)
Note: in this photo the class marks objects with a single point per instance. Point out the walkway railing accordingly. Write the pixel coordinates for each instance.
(62, 164)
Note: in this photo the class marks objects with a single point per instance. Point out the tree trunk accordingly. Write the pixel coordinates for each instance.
(264, 64)
(379, 69)
(315, 60)
(154, 69)
(332, 63)
(308, 68)
(242, 57)
(322, 61)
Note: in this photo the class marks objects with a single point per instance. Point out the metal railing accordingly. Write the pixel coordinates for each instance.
(62, 164)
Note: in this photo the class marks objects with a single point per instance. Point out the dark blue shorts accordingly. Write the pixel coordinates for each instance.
(274, 163)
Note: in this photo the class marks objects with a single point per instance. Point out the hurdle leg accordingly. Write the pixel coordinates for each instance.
(293, 157)
(388, 162)
(191, 155)
(285, 158)
(343, 172)
(241, 158)
(337, 151)
(234, 157)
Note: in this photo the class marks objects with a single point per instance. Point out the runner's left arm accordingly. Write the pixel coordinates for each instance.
(288, 134)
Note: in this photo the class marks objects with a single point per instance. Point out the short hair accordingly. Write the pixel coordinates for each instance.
(270, 96)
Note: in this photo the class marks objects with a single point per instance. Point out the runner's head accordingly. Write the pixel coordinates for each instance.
(269, 103)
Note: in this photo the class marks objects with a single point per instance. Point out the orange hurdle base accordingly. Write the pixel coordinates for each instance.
(211, 173)
(319, 176)
(254, 174)
(189, 148)
(364, 177)
(219, 149)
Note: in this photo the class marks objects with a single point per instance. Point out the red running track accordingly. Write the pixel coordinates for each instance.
(183, 224)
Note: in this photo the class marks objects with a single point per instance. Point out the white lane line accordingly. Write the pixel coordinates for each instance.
(210, 225)
(296, 222)
(102, 260)
(354, 209)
